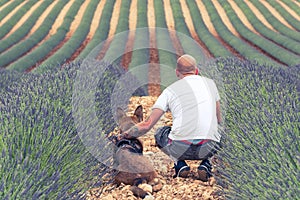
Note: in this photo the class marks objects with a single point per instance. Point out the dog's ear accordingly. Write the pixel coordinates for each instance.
(120, 114)
(139, 113)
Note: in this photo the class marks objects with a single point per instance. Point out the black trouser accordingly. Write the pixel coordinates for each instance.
(179, 150)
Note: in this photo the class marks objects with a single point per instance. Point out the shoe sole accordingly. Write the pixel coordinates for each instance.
(184, 174)
(202, 175)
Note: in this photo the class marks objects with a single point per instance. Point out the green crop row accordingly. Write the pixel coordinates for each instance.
(3, 2)
(123, 22)
(189, 45)
(166, 50)
(21, 32)
(46, 47)
(286, 15)
(7, 26)
(140, 53)
(18, 50)
(214, 46)
(118, 43)
(238, 44)
(77, 38)
(292, 5)
(12, 5)
(279, 26)
(283, 55)
(280, 39)
(21, 51)
(101, 32)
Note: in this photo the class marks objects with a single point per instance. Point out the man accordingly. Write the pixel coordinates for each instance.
(194, 103)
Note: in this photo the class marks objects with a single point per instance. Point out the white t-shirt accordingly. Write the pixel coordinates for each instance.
(192, 102)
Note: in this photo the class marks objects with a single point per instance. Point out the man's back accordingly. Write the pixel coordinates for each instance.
(192, 102)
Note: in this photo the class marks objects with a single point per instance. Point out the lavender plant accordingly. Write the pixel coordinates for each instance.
(41, 154)
(260, 154)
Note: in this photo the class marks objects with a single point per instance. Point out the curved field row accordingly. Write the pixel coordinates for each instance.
(171, 26)
(25, 18)
(279, 17)
(36, 54)
(54, 56)
(264, 44)
(14, 16)
(39, 25)
(10, 14)
(132, 26)
(269, 34)
(191, 27)
(113, 27)
(203, 14)
(3, 4)
(22, 29)
(92, 32)
(182, 13)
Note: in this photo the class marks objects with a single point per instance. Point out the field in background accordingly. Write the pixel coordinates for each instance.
(52, 33)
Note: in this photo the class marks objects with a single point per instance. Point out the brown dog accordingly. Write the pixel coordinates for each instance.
(132, 167)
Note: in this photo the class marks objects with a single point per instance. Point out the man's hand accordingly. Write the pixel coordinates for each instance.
(133, 132)
(144, 126)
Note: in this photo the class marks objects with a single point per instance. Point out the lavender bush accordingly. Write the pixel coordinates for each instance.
(42, 156)
(260, 154)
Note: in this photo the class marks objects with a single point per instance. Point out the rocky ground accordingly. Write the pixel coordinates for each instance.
(172, 188)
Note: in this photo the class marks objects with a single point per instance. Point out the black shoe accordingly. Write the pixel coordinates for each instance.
(181, 169)
(204, 170)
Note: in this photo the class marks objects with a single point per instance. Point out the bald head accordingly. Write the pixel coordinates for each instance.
(186, 64)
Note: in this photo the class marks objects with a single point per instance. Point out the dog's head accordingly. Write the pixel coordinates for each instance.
(125, 122)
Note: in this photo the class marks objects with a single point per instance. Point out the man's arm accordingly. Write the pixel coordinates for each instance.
(218, 107)
(144, 126)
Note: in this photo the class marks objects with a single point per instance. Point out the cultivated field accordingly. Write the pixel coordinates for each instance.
(50, 148)
(51, 33)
